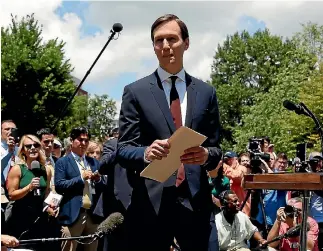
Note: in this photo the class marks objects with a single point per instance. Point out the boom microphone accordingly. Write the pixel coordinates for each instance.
(299, 109)
(117, 27)
(35, 168)
(107, 227)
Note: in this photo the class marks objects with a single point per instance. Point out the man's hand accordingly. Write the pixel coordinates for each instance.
(281, 217)
(87, 174)
(96, 176)
(9, 241)
(197, 155)
(157, 150)
(11, 144)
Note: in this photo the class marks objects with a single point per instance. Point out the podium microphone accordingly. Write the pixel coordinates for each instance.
(107, 227)
(116, 28)
(299, 109)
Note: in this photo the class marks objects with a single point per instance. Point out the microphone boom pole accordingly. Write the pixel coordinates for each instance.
(117, 27)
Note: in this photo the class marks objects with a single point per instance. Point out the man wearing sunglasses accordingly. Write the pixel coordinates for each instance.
(47, 142)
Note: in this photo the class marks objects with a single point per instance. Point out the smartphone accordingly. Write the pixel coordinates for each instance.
(15, 134)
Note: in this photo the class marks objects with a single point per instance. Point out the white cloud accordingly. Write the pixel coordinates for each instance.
(208, 22)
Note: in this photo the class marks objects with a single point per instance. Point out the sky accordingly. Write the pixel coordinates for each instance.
(85, 27)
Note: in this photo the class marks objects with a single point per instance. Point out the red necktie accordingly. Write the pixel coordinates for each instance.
(175, 108)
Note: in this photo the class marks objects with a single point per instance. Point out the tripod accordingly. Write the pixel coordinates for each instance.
(255, 167)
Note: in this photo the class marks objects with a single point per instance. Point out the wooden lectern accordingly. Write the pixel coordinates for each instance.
(284, 181)
(288, 181)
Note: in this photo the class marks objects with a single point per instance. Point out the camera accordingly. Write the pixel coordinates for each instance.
(254, 149)
(291, 211)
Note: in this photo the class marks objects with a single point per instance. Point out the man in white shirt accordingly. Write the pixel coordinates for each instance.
(234, 227)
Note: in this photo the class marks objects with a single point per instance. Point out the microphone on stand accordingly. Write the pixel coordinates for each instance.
(116, 28)
(299, 109)
(107, 227)
(36, 170)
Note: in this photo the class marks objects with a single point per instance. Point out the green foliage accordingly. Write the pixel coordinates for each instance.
(311, 39)
(35, 77)
(102, 111)
(248, 66)
(78, 117)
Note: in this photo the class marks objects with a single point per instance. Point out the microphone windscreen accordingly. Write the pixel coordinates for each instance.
(112, 222)
(117, 27)
(35, 165)
(289, 105)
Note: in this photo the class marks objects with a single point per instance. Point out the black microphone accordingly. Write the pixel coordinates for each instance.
(117, 27)
(107, 227)
(294, 107)
(35, 168)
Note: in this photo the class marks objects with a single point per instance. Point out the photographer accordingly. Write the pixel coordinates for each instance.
(8, 148)
(288, 217)
(316, 206)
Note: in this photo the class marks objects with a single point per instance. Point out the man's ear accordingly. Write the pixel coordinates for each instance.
(187, 43)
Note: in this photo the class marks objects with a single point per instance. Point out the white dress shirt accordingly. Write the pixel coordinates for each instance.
(180, 85)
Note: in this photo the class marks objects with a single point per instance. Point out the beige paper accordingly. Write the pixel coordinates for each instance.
(182, 139)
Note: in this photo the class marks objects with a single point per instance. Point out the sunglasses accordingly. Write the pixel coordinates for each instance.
(56, 146)
(29, 146)
(47, 141)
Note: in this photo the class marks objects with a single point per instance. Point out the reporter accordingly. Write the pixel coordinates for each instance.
(21, 184)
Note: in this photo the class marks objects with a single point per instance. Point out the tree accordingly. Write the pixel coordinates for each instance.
(35, 76)
(311, 39)
(78, 116)
(245, 66)
(102, 111)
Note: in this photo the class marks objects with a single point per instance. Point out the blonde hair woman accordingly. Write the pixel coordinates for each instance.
(28, 188)
(94, 150)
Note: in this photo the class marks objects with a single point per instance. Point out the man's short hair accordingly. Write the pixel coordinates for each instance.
(7, 121)
(167, 18)
(43, 131)
(265, 138)
(282, 156)
(77, 131)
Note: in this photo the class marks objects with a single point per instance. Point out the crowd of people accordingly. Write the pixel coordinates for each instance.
(52, 188)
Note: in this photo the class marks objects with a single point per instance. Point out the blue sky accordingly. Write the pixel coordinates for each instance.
(114, 86)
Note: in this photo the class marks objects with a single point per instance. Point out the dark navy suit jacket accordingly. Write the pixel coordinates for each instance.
(117, 192)
(145, 116)
(68, 182)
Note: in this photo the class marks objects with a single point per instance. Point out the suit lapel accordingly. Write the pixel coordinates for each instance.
(159, 94)
(191, 100)
(73, 163)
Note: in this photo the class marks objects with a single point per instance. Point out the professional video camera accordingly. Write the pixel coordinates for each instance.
(254, 149)
(300, 163)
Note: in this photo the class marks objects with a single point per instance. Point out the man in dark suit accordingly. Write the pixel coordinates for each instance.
(77, 179)
(152, 109)
(117, 193)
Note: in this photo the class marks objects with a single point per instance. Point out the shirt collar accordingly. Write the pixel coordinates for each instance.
(4, 144)
(164, 75)
(75, 156)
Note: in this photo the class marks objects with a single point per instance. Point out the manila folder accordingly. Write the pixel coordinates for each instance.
(182, 139)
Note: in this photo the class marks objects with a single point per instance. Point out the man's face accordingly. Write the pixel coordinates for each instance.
(47, 142)
(281, 164)
(233, 204)
(80, 144)
(6, 130)
(245, 161)
(169, 46)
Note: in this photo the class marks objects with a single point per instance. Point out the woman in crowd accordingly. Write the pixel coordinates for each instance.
(94, 150)
(28, 185)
